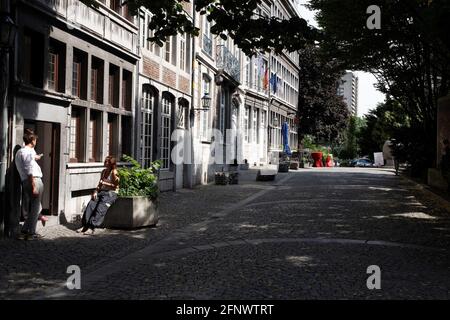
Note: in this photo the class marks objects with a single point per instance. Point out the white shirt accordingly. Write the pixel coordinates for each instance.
(26, 163)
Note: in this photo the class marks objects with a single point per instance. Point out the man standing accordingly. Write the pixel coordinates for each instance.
(33, 188)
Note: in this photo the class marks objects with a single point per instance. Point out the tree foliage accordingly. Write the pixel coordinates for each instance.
(409, 56)
(388, 121)
(237, 19)
(321, 112)
(138, 181)
(349, 148)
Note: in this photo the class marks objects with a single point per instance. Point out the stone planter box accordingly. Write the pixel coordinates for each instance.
(294, 165)
(132, 212)
(221, 178)
(283, 167)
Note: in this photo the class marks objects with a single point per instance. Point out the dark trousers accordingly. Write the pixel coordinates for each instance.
(96, 209)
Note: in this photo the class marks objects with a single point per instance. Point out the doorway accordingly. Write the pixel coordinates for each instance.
(48, 144)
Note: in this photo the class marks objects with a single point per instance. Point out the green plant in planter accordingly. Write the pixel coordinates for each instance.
(138, 181)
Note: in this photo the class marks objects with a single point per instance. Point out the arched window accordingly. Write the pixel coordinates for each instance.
(182, 113)
(166, 130)
(147, 107)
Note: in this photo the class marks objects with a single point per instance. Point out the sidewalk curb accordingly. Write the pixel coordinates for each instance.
(426, 189)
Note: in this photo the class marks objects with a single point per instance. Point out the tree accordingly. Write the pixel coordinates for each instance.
(321, 112)
(388, 121)
(408, 55)
(237, 19)
(349, 147)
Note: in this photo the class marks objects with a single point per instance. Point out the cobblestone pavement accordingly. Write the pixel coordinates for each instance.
(310, 234)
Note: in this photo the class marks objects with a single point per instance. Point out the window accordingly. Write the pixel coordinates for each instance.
(94, 136)
(114, 73)
(143, 29)
(166, 112)
(174, 51)
(255, 126)
(167, 50)
(248, 72)
(204, 115)
(75, 142)
(151, 45)
(126, 89)
(56, 66)
(126, 12)
(147, 107)
(127, 132)
(188, 53)
(115, 5)
(223, 96)
(33, 55)
(246, 123)
(206, 27)
(183, 64)
(182, 114)
(263, 116)
(255, 73)
(97, 80)
(206, 40)
(111, 135)
(79, 74)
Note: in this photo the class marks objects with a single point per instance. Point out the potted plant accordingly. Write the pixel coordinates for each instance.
(317, 156)
(221, 178)
(137, 203)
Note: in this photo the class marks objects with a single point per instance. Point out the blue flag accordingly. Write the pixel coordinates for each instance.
(273, 82)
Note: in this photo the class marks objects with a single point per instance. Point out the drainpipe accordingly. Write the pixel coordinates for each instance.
(136, 142)
(190, 166)
(4, 82)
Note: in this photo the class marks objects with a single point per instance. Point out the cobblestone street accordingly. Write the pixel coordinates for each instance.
(310, 234)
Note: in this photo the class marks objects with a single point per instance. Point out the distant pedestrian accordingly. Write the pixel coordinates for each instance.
(395, 149)
(32, 186)
(102, 198)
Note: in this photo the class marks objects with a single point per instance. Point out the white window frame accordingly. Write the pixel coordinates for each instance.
(147, 114)
(255, 125)
(223, 97)
(204, 115)
(166, 119)
(246, 123)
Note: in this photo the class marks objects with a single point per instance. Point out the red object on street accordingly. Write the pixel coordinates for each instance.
(330, 162)
(317, 156)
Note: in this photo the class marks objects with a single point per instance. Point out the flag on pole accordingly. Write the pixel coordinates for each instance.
(274, 82)
(266, 79)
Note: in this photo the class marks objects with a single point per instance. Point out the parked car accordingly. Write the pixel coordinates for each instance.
(362, 163)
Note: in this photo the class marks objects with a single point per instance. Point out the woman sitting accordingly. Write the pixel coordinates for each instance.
(103, 197)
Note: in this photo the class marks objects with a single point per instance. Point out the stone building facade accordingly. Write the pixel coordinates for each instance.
(90, 84)
(74, 76)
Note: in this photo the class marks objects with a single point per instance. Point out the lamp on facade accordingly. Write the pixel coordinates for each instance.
(206, 105)
(7, 31)
(206, 102)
